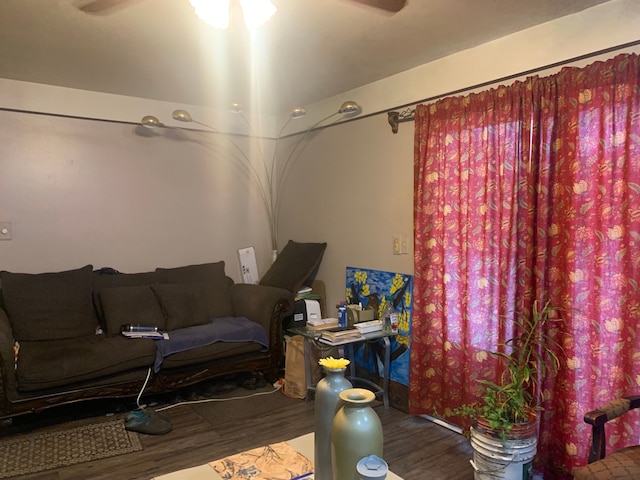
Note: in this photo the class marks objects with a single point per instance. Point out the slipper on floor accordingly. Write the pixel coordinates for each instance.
(148, 421)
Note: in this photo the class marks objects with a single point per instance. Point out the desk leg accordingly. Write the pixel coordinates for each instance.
(387, 367)
(352, 358)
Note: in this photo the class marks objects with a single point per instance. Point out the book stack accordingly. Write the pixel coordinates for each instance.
(306, 293)
(322, 323)
(370, 326)
(340, 335)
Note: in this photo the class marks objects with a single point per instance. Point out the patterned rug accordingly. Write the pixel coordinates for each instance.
(36, 452)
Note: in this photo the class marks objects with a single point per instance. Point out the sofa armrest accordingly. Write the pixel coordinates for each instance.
(7, 359)
(267, 306)
(261, 303)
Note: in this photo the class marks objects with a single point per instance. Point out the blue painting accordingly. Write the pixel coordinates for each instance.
(372, 289)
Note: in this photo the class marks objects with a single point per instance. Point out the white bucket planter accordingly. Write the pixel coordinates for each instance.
(495, 459)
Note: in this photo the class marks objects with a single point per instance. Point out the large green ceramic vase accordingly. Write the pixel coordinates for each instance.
(326, 404)
(356, 433)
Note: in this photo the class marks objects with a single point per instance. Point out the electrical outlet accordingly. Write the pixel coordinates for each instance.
(5, 231)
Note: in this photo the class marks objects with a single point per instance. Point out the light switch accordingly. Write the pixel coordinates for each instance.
(397, 244)
(5, 231)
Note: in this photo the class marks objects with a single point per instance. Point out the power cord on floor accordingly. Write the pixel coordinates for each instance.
(144, 385)
(277, 386)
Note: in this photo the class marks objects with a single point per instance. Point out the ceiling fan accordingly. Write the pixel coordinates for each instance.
(104, 6)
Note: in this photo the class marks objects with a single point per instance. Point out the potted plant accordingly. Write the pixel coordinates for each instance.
(504, 421)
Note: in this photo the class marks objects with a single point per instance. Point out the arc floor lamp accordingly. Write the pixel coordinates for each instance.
(267, 178)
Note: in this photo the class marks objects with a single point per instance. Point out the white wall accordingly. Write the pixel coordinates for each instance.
(613, 23)
(353, 185)
(352, 188)
(110, 194)
(87, 191)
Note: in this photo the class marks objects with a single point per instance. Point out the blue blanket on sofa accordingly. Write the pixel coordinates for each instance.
(225, 329)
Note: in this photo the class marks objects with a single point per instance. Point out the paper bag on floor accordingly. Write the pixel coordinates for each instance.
(295, 384)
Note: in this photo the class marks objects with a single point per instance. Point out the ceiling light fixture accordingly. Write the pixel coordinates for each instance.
(297, 112)
(217, 13)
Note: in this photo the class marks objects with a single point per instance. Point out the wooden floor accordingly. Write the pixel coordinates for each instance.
(414, 447)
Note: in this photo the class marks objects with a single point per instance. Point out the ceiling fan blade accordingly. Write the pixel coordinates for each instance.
(103, 6)
(388, 5)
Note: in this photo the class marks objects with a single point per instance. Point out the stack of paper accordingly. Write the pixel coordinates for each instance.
(339, 335)
(370, 326)
(322, 323)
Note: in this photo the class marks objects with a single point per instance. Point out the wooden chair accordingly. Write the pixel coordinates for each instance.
(620, 465)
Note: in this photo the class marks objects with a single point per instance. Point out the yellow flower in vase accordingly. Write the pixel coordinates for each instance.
(334, 363)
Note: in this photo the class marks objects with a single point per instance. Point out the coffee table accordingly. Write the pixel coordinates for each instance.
(311, 336)
(303, 444)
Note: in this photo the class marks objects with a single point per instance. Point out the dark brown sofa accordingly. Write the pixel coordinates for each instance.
(60, 339)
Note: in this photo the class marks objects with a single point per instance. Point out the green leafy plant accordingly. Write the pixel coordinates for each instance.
(528, 357)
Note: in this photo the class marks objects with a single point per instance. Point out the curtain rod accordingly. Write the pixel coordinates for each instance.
(407, 115)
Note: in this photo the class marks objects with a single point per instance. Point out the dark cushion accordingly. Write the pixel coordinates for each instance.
(295, 265)
(49, 306)
(209, 275)
(43, 365)
(124, 305)
(107, 280)
(185, 304)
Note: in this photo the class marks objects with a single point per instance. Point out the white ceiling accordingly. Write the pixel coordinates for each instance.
(310, 50)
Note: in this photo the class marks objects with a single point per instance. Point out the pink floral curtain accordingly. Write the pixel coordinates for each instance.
(526, 192)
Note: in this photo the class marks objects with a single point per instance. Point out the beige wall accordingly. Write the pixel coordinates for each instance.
(87, 191)
(353, 185)
(110, 194)
(352, 188)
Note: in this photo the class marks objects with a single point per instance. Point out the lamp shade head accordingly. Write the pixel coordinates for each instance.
(297, 112)
(151, 122)
(349, 107)
(182, 116)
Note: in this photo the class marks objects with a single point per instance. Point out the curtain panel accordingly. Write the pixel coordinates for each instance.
(531, 192)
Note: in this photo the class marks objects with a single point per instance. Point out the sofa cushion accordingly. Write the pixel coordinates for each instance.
(49, 306)
(295, 265)
(124, 305)
(185, 304)
(43, 365)
(209, 275)
(112, 280)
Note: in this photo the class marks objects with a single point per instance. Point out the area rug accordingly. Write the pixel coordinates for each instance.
(37, 452)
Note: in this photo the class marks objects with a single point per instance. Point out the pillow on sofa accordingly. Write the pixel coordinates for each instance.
(209, 275)
(49, 306)
(112, 280)
(185, 304)
(296, 264)
(124, 305)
